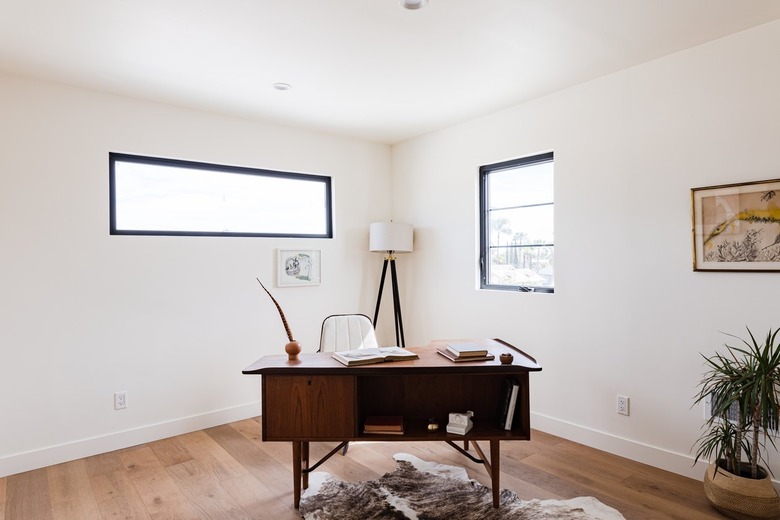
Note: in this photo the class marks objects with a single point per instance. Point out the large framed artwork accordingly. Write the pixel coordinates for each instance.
(298, 267)
(736, 227)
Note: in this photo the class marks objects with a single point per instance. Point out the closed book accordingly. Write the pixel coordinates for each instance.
(503, 404)
(512, 405)
(467, 349)
(383, 432)
(456, 359)
(384, 423)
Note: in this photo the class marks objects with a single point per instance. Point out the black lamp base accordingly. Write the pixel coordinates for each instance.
(399, 325)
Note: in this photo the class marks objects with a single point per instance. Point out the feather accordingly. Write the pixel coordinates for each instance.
(281, 312)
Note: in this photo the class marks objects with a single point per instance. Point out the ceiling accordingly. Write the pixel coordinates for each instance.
(363, 68)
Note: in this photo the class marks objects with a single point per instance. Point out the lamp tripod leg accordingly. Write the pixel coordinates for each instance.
(379, 295)
(399, 324)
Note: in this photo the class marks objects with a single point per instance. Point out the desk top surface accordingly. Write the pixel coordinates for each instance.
(429, 361)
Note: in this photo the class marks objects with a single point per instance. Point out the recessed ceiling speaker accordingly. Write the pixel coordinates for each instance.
(413, 4)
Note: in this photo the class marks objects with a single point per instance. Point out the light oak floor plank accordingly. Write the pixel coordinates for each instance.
(117, 498)
(276, 476)
(255, 497)
(158, 491)
(227, 472)
(3, 485)
(205, 492)
(27, 496)
(170, 451)
(213, 457)
(72, 497)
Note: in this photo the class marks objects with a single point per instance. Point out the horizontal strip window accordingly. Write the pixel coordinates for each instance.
(154, 196)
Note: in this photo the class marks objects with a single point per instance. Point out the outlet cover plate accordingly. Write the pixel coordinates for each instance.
(120, 400)
(622, 405)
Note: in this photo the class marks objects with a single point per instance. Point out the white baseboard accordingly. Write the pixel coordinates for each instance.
(679, 463)
(50, 455)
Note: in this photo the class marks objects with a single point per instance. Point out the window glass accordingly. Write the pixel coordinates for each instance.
(168, 197)
(517, 224)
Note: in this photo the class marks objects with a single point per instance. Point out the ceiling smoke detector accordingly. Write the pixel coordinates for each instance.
(413, 4)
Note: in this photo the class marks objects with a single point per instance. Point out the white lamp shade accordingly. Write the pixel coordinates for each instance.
(391, 236)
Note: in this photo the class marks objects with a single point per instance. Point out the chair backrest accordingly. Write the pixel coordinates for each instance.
(347, 332)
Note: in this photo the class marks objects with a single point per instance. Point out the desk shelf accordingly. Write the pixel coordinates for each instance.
(421, 396)
(419, 432)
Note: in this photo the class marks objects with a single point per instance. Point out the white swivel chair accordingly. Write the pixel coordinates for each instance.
(347, 332)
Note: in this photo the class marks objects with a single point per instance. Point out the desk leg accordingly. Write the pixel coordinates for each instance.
(305, 463)
(296, 448)
(495, 469)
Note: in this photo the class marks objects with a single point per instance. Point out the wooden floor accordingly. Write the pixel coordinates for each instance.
(228, 473)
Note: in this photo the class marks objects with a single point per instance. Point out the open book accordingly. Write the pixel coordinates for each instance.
(366, 356)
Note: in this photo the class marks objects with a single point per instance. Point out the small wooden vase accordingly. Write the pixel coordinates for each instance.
(293, 348)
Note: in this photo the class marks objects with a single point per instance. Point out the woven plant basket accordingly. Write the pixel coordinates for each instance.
(739, 497)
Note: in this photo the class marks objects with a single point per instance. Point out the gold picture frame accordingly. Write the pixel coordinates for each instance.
(736, 227)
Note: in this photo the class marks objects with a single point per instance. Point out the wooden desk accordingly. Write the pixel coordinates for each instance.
(316, 398)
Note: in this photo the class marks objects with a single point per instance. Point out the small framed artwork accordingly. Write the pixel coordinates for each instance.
(736, 227)
(297, 267)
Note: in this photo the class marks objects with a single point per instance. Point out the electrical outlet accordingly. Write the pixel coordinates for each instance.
(120, 400)
(622, 405)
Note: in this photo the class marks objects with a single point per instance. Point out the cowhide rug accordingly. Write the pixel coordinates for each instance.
(420, 490)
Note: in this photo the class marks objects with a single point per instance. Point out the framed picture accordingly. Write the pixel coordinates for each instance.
(297, 267)
(736, 227)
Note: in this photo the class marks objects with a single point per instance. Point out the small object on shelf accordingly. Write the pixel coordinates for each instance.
(384, 424)
(433, 424)
(506, 358)
(460, 423)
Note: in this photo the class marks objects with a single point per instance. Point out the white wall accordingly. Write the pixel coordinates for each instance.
(170, 320)
(629, 316)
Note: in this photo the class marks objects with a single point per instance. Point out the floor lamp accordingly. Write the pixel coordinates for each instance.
(391, 238)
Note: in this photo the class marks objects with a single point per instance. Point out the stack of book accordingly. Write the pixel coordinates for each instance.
(508, 404)
(467, 351)
(384, 425)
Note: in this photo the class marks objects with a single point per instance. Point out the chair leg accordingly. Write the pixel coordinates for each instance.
(344, 451)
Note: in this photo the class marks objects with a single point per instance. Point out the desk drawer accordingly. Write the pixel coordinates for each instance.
(311, 407)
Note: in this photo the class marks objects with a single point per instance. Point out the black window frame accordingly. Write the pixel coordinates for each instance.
(115, 157)
(484, 221)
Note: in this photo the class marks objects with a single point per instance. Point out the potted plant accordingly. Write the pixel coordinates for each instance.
(742, 385)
